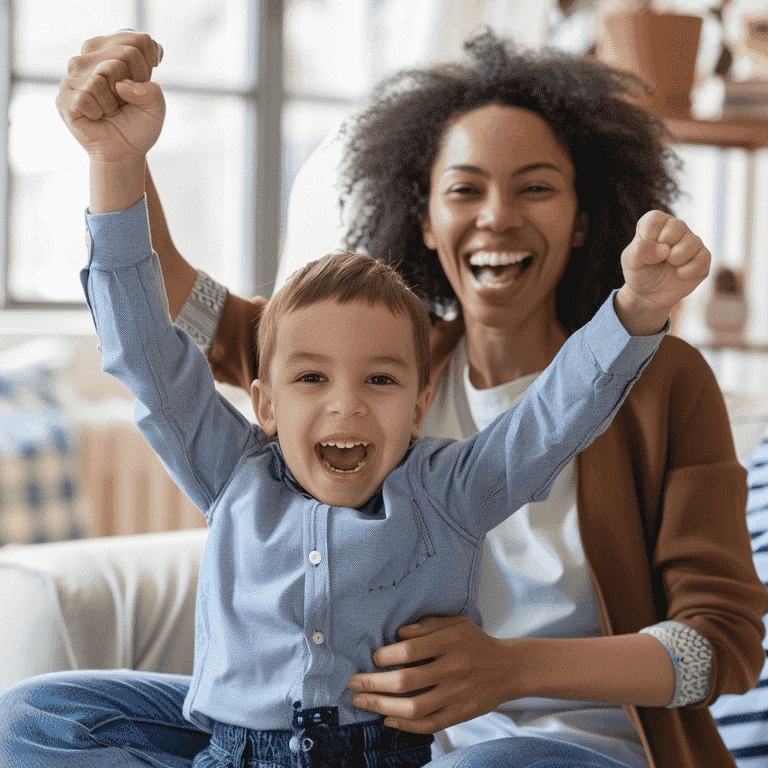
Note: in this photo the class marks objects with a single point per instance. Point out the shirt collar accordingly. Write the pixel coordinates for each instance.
(280, 472)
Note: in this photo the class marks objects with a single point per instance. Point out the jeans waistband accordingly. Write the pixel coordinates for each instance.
(318, 742)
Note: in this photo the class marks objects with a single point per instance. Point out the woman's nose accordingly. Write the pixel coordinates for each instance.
(499, 213)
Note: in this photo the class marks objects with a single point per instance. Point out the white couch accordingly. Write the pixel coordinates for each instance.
(123, 601)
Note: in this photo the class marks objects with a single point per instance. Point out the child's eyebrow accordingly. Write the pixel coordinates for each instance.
(304, 358)
(396, 360)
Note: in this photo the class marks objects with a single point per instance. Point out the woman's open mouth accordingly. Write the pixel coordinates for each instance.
(345, 457)
(497, 268)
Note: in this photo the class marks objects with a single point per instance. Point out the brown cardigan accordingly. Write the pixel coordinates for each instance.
(661, 500)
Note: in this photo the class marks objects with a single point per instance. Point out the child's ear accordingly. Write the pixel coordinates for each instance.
(423, 401)
(263, 407)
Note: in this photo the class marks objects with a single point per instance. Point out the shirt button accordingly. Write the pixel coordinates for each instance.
(318, 638)
(315, 557)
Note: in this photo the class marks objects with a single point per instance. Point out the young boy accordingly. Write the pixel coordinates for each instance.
(331, 525)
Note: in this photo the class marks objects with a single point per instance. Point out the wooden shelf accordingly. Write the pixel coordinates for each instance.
(751, 347)
(744, 133)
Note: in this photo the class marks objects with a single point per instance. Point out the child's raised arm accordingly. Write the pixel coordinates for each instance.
(663, 264)
(116, 118)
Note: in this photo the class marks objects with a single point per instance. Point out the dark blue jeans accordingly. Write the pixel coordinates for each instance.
(367, 745)
(127, 719)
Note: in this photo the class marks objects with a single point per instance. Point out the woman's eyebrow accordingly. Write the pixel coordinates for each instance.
(465, 168)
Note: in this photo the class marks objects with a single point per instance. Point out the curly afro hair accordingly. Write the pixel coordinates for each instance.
(623, 164)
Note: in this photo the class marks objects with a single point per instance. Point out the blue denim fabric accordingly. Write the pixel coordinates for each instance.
(362, 745)
(128, 719)
(524, 752)
(116, 718)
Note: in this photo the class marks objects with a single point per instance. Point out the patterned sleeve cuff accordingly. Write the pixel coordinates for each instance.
(691, 655)
(201, 312)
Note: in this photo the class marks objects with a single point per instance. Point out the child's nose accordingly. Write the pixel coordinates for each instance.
(346, 400)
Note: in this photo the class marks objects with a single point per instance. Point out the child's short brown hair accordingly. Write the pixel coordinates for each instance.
(345, 277)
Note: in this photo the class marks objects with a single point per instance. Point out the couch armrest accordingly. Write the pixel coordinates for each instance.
(123, 601)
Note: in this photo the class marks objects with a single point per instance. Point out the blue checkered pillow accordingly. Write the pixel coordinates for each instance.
(743, 720)
(38, 489)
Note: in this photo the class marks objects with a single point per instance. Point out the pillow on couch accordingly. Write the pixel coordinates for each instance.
(39, 494)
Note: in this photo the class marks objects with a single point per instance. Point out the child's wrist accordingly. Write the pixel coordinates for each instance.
(639, 316)
(116, 185)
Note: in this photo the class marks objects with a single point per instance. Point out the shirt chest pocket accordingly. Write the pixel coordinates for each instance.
(381, 551)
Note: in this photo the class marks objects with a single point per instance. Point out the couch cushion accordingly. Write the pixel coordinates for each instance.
(123, 601)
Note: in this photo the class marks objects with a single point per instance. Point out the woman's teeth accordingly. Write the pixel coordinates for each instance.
(489, 267)
(497, 258)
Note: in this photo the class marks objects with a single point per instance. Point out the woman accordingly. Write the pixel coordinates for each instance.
(507, 187)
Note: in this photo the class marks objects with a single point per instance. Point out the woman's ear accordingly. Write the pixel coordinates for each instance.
(580, 229)
(426, 234)
(263, 407)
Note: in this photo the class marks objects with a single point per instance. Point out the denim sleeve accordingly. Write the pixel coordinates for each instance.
(516, 459)
(199, 436)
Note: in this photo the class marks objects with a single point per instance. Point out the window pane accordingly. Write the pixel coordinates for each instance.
(196, 164)
(47, 33)
(325, 46)
(205, 42)
(49, 192)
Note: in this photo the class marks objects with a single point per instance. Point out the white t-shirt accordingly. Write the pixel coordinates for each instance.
(534, 581)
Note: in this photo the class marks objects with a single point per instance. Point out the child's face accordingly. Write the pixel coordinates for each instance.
(342, 374)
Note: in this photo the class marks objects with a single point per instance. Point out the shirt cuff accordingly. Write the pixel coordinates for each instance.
(614, 349)
(201, 312)
(119, 239)
(691, 655)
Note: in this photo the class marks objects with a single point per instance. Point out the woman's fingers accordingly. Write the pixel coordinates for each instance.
(455, 677)
(417, 714)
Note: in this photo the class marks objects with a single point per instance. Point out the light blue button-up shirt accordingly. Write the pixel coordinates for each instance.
(295, 595)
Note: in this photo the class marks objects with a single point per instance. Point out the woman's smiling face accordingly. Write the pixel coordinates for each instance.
(503, 214)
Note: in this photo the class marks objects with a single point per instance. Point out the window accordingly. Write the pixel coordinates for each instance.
(209, 76)
(252, 87)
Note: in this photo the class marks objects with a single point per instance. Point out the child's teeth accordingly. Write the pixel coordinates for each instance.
(344, 445)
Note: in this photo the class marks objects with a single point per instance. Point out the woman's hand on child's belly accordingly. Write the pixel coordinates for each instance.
(462, 673)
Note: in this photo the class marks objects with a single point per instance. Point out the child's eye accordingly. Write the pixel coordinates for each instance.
(380, 379)
(311, 378)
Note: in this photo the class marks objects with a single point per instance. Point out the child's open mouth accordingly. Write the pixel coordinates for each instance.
(345, 457)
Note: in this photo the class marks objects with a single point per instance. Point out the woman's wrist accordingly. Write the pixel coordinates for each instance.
(116, 186)
(625, 669)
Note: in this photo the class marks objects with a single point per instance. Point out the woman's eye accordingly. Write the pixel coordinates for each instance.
(537, 189)
(462, 189)
(380, 379)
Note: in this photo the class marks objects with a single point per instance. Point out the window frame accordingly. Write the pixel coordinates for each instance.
(262, 96)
